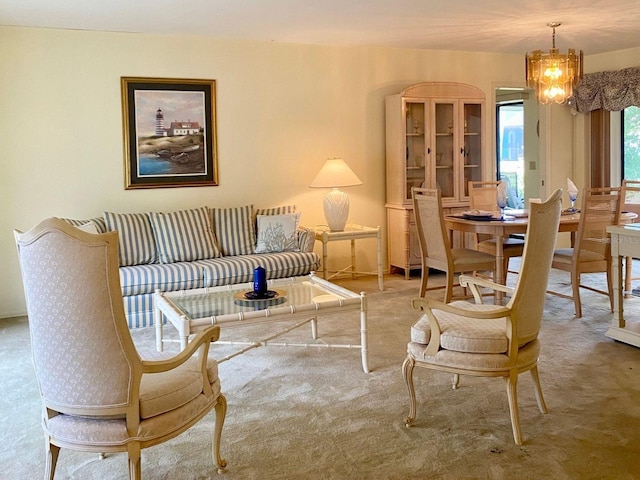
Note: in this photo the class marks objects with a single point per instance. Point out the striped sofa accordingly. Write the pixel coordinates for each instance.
(202, 247)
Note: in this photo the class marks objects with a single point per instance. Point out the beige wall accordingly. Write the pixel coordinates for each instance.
(282, 110)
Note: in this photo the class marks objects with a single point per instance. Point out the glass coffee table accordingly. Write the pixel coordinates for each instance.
(300, 300)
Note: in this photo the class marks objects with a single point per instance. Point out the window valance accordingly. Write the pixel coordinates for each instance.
(612, 91)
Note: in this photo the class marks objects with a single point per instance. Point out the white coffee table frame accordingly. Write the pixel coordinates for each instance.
(330, 298)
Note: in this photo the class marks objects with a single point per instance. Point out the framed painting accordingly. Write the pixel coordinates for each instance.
(170, 137)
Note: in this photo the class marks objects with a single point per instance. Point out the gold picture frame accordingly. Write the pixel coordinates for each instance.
(170, 132)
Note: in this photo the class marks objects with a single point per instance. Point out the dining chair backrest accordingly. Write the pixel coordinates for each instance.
(527, 301)
(432, 233)
(600, 209)
(482, 195)
(630, 196)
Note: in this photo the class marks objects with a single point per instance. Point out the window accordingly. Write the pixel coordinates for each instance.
(630, 146)
(510, 150)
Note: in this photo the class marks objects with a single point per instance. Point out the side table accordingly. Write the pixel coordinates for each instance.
(353, 232)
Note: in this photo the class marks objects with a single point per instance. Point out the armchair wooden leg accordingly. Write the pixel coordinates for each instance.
(512, 394)
(455, 382)
(407, 374)
(52, 452)
(539, 398)
(135, 471)
(221, 412)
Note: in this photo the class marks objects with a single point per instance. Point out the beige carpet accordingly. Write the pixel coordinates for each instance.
(311, 413)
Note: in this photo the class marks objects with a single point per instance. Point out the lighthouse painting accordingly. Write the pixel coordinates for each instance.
(169, 132)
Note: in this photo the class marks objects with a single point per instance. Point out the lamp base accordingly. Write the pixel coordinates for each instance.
(336, 209)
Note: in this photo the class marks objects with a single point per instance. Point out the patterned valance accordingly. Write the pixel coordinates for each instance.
(607, 90)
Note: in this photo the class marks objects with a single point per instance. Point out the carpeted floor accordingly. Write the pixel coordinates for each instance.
(312, 413)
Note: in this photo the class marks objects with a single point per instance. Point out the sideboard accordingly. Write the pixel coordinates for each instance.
(625, 242)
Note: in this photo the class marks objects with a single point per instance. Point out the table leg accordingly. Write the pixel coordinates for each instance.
(363, 332)
(500, 273)
(353, 259)
(628, 267)
(618, 305)
(380, 273)
(157, 320)
(324, 259)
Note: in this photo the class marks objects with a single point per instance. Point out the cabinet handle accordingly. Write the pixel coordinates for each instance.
(428, 150)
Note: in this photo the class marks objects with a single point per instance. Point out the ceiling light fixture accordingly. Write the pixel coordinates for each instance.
(553, 75)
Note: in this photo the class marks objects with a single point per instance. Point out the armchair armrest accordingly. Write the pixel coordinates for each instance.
(474, 282)
(200, 342)
(306, 238)
(430, 304)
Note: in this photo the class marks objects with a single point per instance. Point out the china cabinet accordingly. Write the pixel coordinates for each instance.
(435, 134)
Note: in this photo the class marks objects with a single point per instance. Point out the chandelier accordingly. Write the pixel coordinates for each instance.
(553, 75)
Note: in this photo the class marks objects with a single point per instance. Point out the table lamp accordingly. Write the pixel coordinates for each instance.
(333, 174)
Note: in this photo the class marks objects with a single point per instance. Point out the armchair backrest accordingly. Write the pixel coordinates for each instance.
(432, 233)
(483, 195)
(83, 354)
(527, 302)
(600, 209)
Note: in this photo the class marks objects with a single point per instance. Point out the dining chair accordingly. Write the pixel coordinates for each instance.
(435, 246)
(591, 252)
(482, 196)
(98, 394)
(486, 340)
(630, 193)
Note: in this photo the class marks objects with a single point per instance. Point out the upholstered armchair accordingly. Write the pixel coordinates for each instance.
(484, 340)
(98, 395)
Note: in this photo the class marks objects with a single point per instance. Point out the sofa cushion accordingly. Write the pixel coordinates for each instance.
(184, 236)
(138, 279)
(99, 222)
(234, 231)
(278, 233)
(136, 245)
(88, 227)
(239, 269)
(282, 209)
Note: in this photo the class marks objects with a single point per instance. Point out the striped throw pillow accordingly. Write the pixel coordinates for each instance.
(234, 230)
(184, 236)
(136, 245)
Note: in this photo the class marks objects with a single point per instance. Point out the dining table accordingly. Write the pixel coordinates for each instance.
(514, 222)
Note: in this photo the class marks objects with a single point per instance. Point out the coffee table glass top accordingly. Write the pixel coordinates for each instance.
(287, 293)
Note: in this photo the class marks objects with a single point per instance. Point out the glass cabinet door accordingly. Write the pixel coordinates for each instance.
(416, 148)
(472, 146)
(444, 147)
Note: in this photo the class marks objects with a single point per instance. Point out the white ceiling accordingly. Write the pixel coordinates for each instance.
(506, 26)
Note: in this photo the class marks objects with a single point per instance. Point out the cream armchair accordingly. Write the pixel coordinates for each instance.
(98, 395)
(490, 340)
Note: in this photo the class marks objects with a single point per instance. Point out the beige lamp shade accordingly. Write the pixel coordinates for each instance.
(333, 174)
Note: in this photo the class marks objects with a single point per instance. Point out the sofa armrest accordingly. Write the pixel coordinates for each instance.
(306, 239)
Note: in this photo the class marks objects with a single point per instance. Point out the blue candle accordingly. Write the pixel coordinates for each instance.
(259, 280)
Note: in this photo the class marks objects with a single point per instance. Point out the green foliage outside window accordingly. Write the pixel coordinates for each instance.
(631, 143)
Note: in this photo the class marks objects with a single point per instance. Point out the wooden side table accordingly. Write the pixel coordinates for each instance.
(353, 232)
